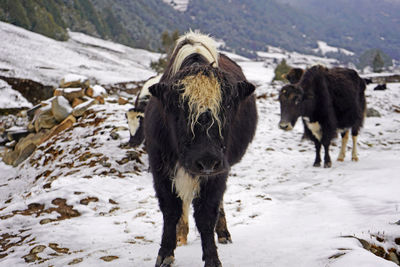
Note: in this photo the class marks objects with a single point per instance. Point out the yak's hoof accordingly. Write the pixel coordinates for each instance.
(327, 164)
(354, 159)
(340, 159)
(164, 262)
(224, 240)
(317, 164)
(213, 263)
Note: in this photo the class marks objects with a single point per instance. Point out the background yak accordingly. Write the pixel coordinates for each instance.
(198, 122)
(328, 100)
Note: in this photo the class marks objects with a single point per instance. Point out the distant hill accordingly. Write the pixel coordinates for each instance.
(245, 26)
(357, 25)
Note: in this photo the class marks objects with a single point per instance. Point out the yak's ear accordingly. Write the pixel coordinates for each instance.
(158, 90)
(245, 89)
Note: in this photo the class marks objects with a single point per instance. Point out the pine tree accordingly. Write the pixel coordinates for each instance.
(168, 44)
(280, 70)
(378, 63)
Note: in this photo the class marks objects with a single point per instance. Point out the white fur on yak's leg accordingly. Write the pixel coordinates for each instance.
(354, 156)
(187, 188)
(199, 43)
(342, 153)
(182, 228)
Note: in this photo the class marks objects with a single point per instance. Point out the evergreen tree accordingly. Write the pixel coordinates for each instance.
(280, 70)
(168, 44)
(378, 63)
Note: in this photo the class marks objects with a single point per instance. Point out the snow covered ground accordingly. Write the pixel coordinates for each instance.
(77, 201)
(24, 54)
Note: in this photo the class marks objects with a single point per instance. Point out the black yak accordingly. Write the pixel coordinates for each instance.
(135, 115)
(198, 123)
(328, 100)
(294, 75)
(380, 87)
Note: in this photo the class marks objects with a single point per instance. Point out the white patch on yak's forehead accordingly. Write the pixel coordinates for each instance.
(145, 89)
(314, 127)
(133, 121)
(187, 187)
(198, 44)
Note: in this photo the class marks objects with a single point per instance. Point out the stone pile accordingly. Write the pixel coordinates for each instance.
(52, 116)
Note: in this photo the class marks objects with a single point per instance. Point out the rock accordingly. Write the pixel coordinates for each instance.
(24, 148)
(11, 144)
(32, 138)
(393, 257)
(80, 109)
(33, 91)
(24, 154)
(95, 91)
(89, 92)
(31, 112)
(64, 125)
(10, 156)
(70, 93)
(99, 100)
(60, 108)
(74, 80)
(122, 101)
(114, 135)
(371, 112)
(16, 133)
(44, 119)
(76, 102)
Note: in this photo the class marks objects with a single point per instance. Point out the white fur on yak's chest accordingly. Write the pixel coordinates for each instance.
(314, 127)
(186, 186)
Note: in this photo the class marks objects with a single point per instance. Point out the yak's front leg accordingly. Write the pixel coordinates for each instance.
(182, 228)
(224, 237)
(171, 208)
(206, 208)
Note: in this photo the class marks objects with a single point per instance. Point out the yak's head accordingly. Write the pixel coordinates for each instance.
(199, 105)
(290, 98)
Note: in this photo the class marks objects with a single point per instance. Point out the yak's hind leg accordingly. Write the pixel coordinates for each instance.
(327, 158)
(317, 162)
(182, 228)
(224, 237)
(171, 208)
(354, 135)
(345, 138)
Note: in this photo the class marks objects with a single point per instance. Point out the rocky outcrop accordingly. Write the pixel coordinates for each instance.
(33, 91)
(51, 117)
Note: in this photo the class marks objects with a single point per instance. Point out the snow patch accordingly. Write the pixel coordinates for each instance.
(180, 5)
(324, 48)
(10, 98)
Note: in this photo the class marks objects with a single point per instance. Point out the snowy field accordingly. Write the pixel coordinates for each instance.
(28, 55)
(77, 202)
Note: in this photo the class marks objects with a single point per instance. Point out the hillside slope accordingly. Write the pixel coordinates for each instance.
(32, 56)
(245, 26)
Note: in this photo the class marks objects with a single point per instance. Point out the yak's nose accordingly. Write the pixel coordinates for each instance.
(287, 126)
(208, 165)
